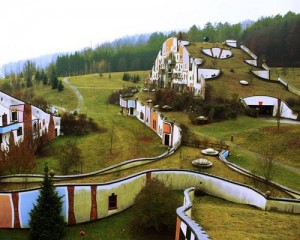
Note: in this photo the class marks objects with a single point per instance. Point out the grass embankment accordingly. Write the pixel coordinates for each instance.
(225, 220)
(130, 139)
(235, 69)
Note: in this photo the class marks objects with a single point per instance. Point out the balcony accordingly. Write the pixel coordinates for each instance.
(9, 128)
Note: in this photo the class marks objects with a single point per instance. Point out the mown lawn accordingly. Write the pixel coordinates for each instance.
(225, 220)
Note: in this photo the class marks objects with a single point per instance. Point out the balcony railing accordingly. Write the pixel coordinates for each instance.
(9, 128)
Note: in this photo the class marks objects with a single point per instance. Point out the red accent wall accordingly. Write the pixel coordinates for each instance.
(15, 198)
(51, 129)
(71, 214)
(27, 118)
(94, 203)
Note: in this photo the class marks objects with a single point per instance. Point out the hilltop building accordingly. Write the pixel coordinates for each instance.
(175, 68)
(24, 121)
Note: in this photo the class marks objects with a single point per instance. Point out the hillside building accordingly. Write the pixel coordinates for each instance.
(24, 121)
(175, 68)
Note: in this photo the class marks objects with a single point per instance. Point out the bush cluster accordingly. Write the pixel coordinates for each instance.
(73, 124)
(133, 78)
(214, 109)
(125, 92)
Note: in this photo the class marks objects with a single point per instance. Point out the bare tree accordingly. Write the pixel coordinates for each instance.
(69, 156)
(112, 135)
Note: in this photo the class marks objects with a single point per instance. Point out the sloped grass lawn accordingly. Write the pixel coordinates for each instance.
(283, 143)
(65, 99)
(225, 220)
(130, 138)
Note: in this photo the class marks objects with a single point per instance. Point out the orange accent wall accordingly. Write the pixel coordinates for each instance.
(5, 212)
(169, 44)
(154, 116)
(167, 128)
(178, 223)
(181, 52)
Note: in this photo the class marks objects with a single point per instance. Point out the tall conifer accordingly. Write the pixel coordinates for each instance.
(47, 222)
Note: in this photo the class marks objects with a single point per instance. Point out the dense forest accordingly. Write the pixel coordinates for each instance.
(276, 39)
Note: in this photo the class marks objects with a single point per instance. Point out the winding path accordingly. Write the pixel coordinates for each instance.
(80, 104)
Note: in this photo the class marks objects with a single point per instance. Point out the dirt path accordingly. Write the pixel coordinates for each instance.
(80, 104)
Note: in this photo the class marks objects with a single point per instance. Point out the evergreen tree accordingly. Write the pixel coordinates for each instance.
(47, 222)
(60, 86)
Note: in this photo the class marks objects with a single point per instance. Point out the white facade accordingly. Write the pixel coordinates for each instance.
(13, 120)
(173, 68)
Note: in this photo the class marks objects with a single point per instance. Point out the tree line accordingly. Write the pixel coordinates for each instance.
(276, 39)
(273, 38)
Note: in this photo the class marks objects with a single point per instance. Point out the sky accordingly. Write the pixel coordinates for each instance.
(31, 28)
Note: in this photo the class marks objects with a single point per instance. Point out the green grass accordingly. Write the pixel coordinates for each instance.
(140, 141)
(66, 98)
(291, 75)
(225, 220)
(228, 83)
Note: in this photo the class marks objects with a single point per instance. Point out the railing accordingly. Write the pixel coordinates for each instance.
(203, 144)
(9, 128)
(183, 213)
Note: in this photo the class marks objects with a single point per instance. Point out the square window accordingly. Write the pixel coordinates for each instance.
(112, 202)
(14, 116)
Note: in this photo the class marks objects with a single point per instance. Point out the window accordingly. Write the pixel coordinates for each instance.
(112, 202)
(19, 131)
(154, 124)
(4, 119)
(14, 116)
(141, 115)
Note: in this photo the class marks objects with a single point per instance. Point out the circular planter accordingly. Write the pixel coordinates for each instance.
(202, 163)
(210, 152)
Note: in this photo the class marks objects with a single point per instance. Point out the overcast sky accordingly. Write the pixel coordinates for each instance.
(30, 28)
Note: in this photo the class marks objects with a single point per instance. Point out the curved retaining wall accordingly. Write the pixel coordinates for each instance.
(275, 204)
(88, 202)
(185, 227)
(290, 87)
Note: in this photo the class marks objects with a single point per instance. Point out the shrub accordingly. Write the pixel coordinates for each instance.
(155, 208)
(72, 124)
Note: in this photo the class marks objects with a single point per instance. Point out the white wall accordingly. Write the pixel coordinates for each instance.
(208, 73)
(286, 112)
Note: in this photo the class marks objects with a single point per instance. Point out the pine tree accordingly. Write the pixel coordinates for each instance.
(47, 222)
(60, 86)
